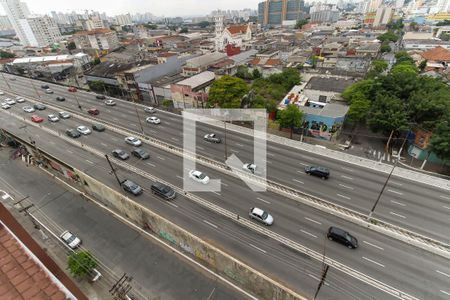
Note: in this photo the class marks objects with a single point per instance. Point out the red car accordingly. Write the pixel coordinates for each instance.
(93, 111)
(36, 119)
(72, 89)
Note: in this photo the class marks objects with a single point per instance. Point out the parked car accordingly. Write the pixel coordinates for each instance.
(98, 127)
(28, 109)
(12, 78)
(100, 97)
(39, 106)
(110, 102)
(45, 86)
(93, 111)
(318, 171)
(249, 167)
(20, 99)
(84, 130)
(2, 93)
(64, 115)
(73, 133)
(131, 187)
(53, 118)
(140, 153)
(198, 176)
(131, 140)
(150, 110)
(70, 239)
(10, 101)
(153, 120)
(343, 237)
(163, 191)
(119, 153)
(48, 91)
(5, 105)
(60, 98)
(212, 137)
(261, 216)
(72, 89)
(36, 119)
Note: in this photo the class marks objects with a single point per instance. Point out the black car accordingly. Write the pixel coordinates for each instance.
(98, 127)
(212, 138)
(163, 191)
(45, 86)
(100, 97)
(131, 187)
(59, 98)
(321, 172)
(39, 106)
(342, 237)
(73, 133)
(141, 154)
(119, 153)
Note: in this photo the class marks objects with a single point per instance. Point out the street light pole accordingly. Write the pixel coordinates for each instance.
(7, 83)
(137, 113)
(225, 139)
(36, 91)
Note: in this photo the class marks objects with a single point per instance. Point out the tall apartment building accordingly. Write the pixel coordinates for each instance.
(5, 23)
(383, 16)
(41, 31)
(123, 19)
(99, 39)
(16, 10)
(274, 12)
(323, 13)
(93, 23)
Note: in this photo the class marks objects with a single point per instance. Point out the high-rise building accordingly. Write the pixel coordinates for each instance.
(40, 31)
(443, 5)
(274, 12)
(16, 10)
(383, 16)
(323, 13)
(5, 23)
(99, 39)
(123, 19)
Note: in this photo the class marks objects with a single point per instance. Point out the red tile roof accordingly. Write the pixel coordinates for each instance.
(437, 54)
(273, 61)
(237, 29)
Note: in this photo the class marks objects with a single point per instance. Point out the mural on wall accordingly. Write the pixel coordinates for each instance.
(322, 130)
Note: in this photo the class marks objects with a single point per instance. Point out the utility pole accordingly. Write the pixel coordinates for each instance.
(322, 280)
(35, 90)
(7, 83)
(225, 139)
(113, 170)
(121, 288)
(139, 118)
(25, 209)
(76, 98)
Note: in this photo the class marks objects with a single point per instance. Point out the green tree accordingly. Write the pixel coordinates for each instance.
(227, 92)
(367, 88)
(443, 23)
(288, 78)
(387, 114)
(414, 26)
(97, 85)
(4, 54)
(290, 117)
(440, 140)
(396, 25)
(301, 23)
(167, 103)
(385, 48)
(256, 74)
(81, 263)
(378, 66)
(71, 46)
(388, 36)
(150, 26)
(445, 37)
(423, 65)
(204, 24)
(359, 109)
(243, 72)
(97, 61)
(184, 30)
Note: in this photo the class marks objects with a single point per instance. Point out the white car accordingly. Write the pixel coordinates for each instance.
(10, 101)
(20, 99)
(150, 109)
(53, 118)
(84, 130)
(5, 105)
(153, 120)
(28, 109)
(133, 141)
(261, 216)
(64, 115)
(110, 102)
(198, 176)
(249, 167)
(2, 93)
(48, 91)
(70, 239)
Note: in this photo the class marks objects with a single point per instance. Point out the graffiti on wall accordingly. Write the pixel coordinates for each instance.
(187, 248)
(167, 237)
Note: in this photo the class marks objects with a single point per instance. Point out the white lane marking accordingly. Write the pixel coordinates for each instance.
(399, 203)
(178, 176)
(167, 123)
(347, 169)
(314, 221)
(200, 147)
(444, 197)
(307, 233)
(314, 277)
(210, 224)
(446, 207)
(395, 192)
(133, 124)
(270, 154)
(375, 246)
(442, 273)
(393, 213)
(224, 184)
(240, 145)
(115, 119)
(235, 151)
(103, 144)
(69, 151)
(175, 139)
(114, 139)
(263, 251)
(372, 261)
(269, 162)
(346, 186)
(150, 164)
(298, 181)
(303, 164)
(218, 194)
(173, 204)
(444, 292)
(346, 177)
(161, 158)
(396, 183)
(90, 162)
(261, 199)
(345, 197)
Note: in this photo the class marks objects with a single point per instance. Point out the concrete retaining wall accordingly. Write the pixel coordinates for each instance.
(215, 259)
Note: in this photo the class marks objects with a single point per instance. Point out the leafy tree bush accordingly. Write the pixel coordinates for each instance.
(81, 263)
(227, 92)
(290, 117)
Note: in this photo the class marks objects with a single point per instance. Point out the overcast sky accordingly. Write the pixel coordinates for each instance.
(156, 7)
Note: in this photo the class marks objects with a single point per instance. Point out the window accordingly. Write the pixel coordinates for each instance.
(323, 98)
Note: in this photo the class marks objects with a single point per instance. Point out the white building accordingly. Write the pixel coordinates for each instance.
(40, 31)
(235, 35)
(99, 39)
(123, 19)
(5, 23)
(443, 5)
(16, 10)
(92, 23)
(384, 16)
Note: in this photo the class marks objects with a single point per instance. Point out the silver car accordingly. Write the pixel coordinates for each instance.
(84, 130)
(53, 118)
(131, 140)
(28, 109)
(261, 216)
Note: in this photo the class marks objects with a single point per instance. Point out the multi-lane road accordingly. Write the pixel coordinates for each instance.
(403, 267)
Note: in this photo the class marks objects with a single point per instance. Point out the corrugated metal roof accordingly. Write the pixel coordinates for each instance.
(198, 79)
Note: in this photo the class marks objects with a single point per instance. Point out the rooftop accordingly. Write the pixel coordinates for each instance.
(329, 84)
(437, 54)
(94, 31)
(205, 59)
(332, 110)
(37, 59)
(198, 80)
(410, 35)
(237, 29)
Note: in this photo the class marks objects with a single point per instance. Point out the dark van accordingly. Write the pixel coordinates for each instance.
(163, 191)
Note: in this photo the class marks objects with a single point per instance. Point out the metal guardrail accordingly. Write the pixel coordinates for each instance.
(243, 221)
(397, 232)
